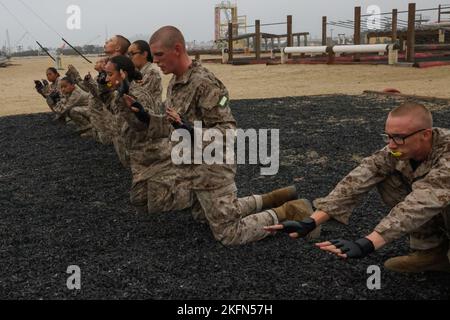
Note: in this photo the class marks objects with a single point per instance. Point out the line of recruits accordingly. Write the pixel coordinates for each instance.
(122, 105)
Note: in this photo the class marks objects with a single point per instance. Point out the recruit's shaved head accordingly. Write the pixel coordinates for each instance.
(169, 37)
(419, 114)
(123, 43)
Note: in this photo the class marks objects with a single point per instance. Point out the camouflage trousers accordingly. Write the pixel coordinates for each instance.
(80, 116)
(99, 120)
(163, 191)
(121, 150)
(430, 235)
(232, 220)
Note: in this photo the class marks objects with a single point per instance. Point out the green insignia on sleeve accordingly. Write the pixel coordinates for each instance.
(223, 101)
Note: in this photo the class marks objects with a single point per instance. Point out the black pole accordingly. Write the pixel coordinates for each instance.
(45, 50)
(77, 51)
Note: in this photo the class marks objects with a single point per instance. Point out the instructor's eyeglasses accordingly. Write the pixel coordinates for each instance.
(398, 139)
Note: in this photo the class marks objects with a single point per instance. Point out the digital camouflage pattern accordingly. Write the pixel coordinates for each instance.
(74, 106)
(420, 199)
(199, 96)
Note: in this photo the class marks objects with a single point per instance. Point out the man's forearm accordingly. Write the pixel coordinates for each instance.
(320, 217)
(376, 239)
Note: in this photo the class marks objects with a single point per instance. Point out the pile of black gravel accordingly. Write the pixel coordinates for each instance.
(64, 201)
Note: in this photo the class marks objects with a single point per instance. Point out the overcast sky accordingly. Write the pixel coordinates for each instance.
(195, 17)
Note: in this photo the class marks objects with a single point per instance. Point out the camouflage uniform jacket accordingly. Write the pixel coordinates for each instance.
(77, 98)
(152, 84)
(429, 185)
(199, 96)
(52, 87)
(73, 74)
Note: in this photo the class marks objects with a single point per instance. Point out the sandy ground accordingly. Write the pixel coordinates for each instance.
(245, 82)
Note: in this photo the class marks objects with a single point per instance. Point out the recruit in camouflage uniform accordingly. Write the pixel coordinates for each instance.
(146, 152)
(208, 189)
(52, 87)
(73, 106)
(148, 92)
(107, 120)
(419, 199)
(98, 116)
(106, 104)
(199, 96)
(158, 185)
(149, 150)
(50, 91)
(151, 82)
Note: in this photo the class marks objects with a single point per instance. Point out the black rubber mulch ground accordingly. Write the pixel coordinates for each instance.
(64, 201)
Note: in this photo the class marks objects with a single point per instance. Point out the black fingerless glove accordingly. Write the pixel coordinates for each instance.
(354, 249)
(303, 228)
(184, 125)
(101, 79)
(142, 115)
(38, 85)
(124, 87)
(55, 96)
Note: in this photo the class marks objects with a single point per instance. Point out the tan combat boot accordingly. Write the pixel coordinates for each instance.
(297, 210)
(277, 197)
(419, 261)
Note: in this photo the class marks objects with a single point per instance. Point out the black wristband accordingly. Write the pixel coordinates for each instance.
(142, 115)
(309, 223)
(101, 79)
(124, 87)
(185, 126)
(365, 245)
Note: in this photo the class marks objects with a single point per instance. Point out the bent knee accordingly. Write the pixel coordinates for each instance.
(228, 236)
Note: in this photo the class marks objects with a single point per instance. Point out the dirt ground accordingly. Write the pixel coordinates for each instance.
(64, 201)
(245, 82)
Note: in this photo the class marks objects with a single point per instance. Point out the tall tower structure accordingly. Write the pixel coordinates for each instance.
(225, 12)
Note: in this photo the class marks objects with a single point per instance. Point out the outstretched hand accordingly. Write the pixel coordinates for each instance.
(173, 116)
(88, 77)
(348, 249)
(38, 86)
(72, 69)
(279, 227)
(329, 247)
(295, 229)
(129, 100)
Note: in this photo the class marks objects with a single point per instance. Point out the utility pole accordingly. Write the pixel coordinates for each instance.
(106, 33)
(8, 43)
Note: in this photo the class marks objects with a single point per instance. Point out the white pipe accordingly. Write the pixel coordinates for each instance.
(434, 25)
(310, 49)
(362, 48)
